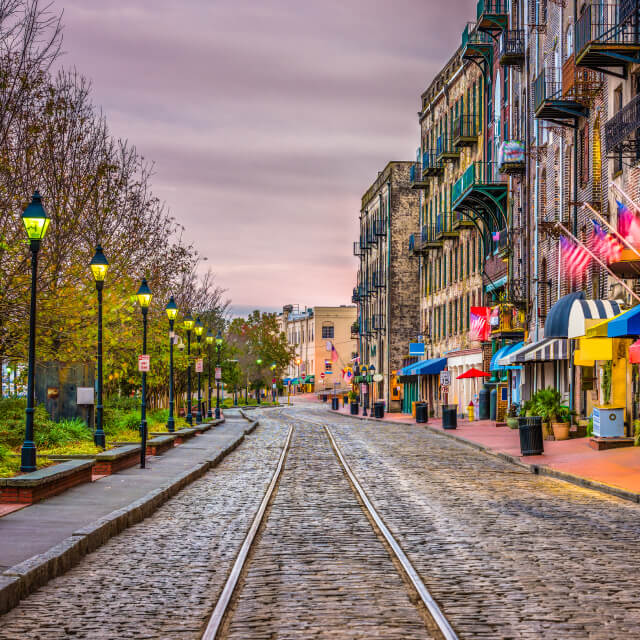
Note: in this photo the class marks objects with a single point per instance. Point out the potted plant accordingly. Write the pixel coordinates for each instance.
(353, 403)
(563, 424)
(512, 416)
(548, 405)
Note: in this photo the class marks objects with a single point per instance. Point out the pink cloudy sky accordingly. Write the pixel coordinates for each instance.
(267, 120)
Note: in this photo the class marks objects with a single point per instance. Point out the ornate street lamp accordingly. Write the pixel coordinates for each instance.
(36, 223)
(188, 323)
(218, 348)
(273, 381)
(209, 339)
(199, 330)
(365, 398)
(172, 312)
(144, 300)
(99, 267)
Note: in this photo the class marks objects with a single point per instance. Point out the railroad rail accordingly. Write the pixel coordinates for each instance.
(408, 572)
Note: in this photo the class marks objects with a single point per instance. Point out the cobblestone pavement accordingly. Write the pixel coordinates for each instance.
(505, 553)
(319, 569)
(159, 579)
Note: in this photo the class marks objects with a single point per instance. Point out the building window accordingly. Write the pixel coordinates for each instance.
(327, 332)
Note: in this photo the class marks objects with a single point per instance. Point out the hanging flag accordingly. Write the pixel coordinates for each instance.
(606, 244)
(576, 259)
(628, 225)
(479, 328)
(495, 236)
(334, 353)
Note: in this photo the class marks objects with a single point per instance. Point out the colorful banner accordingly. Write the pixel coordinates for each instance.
(479, 328)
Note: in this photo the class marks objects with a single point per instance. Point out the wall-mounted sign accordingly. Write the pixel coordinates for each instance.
(416, 349)
(144, 363)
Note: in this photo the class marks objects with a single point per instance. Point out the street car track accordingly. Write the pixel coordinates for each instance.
(408, 572)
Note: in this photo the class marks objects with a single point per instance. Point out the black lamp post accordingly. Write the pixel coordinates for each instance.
(259, 362)
(99, 267)
(199, 329)
(188, 323)
(36, 223)
(209, 338)
(273, 381)
(218, 347)
(172, 312)
(144, 299)
(365, 395)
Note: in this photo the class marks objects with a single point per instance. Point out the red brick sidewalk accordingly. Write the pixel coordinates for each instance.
(613, 468)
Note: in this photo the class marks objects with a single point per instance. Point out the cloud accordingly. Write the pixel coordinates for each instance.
(267, 120)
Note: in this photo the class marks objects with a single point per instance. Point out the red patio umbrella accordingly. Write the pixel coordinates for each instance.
(474, 373)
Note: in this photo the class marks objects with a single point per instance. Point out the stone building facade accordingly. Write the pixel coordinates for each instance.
(387, 291)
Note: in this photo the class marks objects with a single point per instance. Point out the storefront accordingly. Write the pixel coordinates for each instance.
(418, 383)
(464, 391)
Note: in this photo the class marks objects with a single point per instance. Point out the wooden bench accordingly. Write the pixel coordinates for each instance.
(113, 460)
(44, 483)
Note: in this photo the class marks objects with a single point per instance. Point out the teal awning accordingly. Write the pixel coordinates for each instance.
(502, 353)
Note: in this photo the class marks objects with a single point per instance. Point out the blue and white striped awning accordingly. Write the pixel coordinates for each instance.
(567, 317)
(548, 350)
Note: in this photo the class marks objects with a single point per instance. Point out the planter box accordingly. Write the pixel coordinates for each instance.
(601, 444)
(109, 462)
(160, 444)
(44, 483)
(184, 434)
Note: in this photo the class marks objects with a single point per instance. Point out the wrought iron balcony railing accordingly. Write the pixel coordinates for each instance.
(431, 164)
(465, 130)
(622, 132)
(608, 24)
(378, 322)
(416, 177)
(380, 226)
(355, 295)
(445, 149)
(512, 47)
(477, 173)
(444, 225)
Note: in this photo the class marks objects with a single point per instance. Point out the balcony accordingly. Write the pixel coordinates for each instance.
(431, 165)
(512, 48)
(465, 131)
(481, 192)
(445, 149)
(511, 157)
(552, 103)
(379, 280)
(622, 132)
(380, 227)
(426, 240)
(444, 226)
(507, 321)
(355, 296)
(416, 177)
(378, 323)
(461, 221)
(492, 15)
(608, 36)
(357, 248)
(477, 45)
(355, 331)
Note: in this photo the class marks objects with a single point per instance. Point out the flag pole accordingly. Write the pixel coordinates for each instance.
(566, 232)
(625, 195)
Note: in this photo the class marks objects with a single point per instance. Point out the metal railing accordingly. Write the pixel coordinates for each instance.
(512, 44)
(444, 223)
(608, 24)
(492, 8)
(465, 126)
(444, 146)
(547, 86)
(430, 161)
(472, 37)
(477, 173)
(378, 322)
(624, 125)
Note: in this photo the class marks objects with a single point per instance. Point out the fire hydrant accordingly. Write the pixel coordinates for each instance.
(470, 411)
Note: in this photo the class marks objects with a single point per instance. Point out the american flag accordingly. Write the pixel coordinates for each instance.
(628, 225)
(606, 244)
(576, 259)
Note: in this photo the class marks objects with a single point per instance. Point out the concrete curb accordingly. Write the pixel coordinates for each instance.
(254, 423)
(537, 469)
(19, 581)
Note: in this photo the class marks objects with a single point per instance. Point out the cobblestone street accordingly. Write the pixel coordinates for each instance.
(160, 578)
(505, 553)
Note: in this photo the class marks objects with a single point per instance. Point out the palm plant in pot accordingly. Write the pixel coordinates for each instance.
(555, 416)
(512, 416)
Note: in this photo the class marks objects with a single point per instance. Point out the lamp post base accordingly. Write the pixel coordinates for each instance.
(189, 419)
(171, 425)
(28, 457)
(217, 413)
(99, 439)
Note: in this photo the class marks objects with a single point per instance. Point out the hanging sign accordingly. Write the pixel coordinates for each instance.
(218, 373)
(199, 365)
(144, 363)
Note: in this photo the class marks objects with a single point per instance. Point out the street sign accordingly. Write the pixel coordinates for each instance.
(445, 378)
(416, 348)
(84, 395)
(144, 363)
(218, 373)
(322, 375)
(378, 377)
(199, 365)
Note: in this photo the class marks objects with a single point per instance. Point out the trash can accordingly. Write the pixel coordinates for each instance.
(353, 408)
(378, 409)
(422, 412)
(324, 397)
(345, 399)
(449, 416)
(531, 436)
(335, 403)
(483, 403)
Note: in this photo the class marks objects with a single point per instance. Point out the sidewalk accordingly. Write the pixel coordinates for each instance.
(615, 471)
(43, 525)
